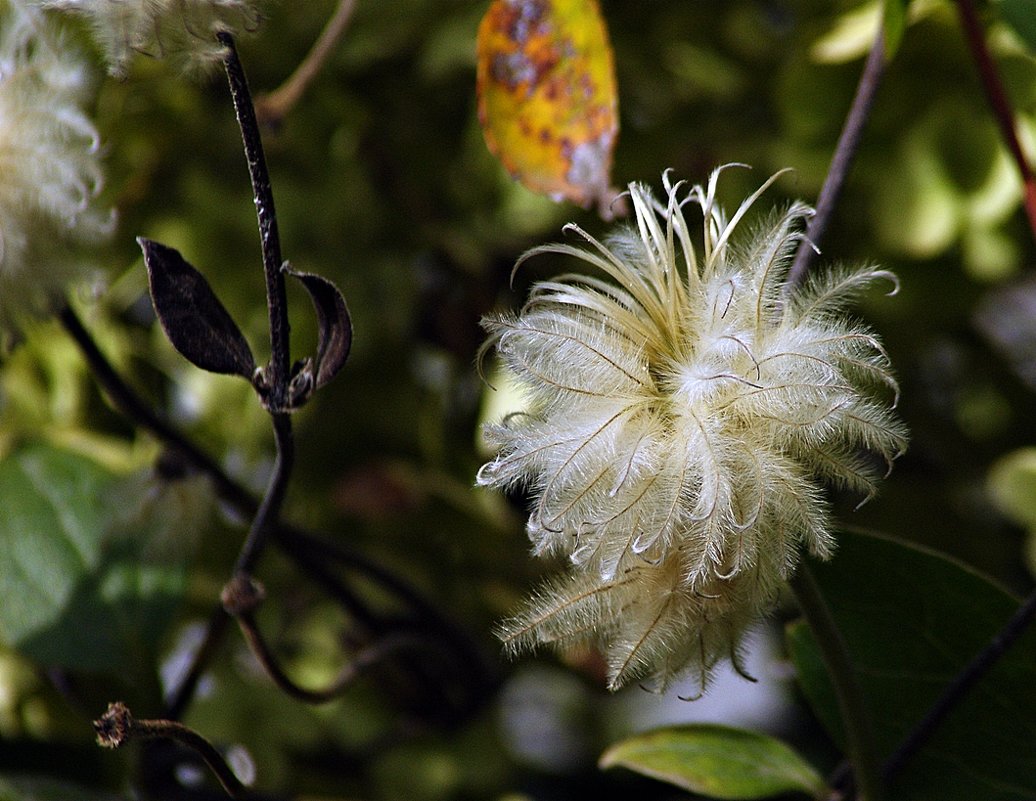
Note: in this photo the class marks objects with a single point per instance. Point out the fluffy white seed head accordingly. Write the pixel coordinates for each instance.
(182, 30)
(50, 171)
(684, 412)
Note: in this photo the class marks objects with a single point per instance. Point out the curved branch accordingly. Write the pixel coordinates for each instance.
(274, 384)
(117, 727)
(266, 518)
(350, 672)
(274, 107)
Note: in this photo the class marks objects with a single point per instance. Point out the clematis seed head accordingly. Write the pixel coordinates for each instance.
(684, 410)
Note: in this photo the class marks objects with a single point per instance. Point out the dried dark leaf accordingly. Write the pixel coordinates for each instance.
(193, 318)
(335, 335)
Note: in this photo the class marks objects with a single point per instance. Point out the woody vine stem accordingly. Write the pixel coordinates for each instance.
(376, 638)
(275, 378)
(273, 382)
(242, 594)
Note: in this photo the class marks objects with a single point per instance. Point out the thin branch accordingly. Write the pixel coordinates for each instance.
(275, 382)
(274, 107)
(132, 405)
(841, 162)
(117, 726)
(312, 553)
(998, 101)
(964, 682)
(241, 599)
(316, 566)
(854, 714)
(278, 375)
(215, 632)
(269, 509)
(303, 546)
(343, 681)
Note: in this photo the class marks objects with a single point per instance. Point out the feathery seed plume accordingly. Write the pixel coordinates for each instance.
(683, 413)
(184, 30)
(50, 171)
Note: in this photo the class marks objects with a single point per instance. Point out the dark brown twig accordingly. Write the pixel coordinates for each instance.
(117, 726)
(241, 599)
(180, 697)
(131, 404)
(274, 383)
(278, 373)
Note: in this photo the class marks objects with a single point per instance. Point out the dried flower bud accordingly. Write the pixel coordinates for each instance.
(49, 163)
(184, 30)
(113, 728)
(682, 418)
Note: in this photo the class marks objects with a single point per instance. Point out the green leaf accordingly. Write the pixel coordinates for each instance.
(50, 524)
(1012, 485)
(1021, 16)
(894, 20)
(74, 594)
(911, 619)
(717, 761)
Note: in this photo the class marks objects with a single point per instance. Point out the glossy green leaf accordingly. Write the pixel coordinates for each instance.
(717, 761)
(911, 619)
(75, 594)
(1021, 16)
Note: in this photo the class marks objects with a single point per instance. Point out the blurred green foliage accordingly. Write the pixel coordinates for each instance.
(383, 184)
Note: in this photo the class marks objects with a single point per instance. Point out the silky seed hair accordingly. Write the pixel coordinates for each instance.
(50, 167)
(183, 31)
(684, 408)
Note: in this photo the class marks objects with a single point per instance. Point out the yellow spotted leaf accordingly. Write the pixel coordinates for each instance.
(547, 101)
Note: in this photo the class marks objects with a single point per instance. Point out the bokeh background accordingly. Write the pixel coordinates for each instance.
(383, 184)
